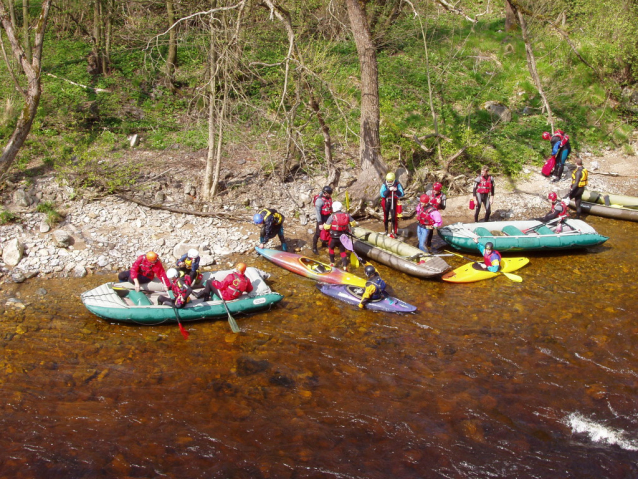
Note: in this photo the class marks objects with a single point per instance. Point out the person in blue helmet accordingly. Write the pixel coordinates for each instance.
(491, 257)
(375, 287)
(272, 224)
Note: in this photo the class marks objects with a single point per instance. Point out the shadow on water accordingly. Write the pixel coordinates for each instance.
(490, 379)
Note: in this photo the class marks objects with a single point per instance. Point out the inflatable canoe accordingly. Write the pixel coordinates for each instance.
(352, 295)
(471, 273)
(608, 206)
(141, 307)
(310, 268)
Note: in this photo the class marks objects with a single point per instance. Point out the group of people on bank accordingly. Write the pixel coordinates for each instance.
(332, 221)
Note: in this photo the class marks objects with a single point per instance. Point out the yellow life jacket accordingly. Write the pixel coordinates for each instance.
(583, 177)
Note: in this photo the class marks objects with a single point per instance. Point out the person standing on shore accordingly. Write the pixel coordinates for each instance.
(323, 210)
(483, 193)
(579, 181)
(561, 148)
(391, 191)
(428, 218)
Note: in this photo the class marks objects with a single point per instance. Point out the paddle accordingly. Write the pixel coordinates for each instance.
(181, 328)
(354, 260)
(347, 243)
(534, 228)
(231, 321)
(513, 277)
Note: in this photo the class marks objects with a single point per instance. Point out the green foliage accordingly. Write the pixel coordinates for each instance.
(7, 217)
(47, 207)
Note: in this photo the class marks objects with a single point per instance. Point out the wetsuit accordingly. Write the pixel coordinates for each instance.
(323, 210)
(561, 149)
(493, 261)
(181, 291)
(232, 287)
(390, 193)
(189, 267)
(273, 226)
(579, 181)
(559, 209)
(144, 271)
(374, 290)
(338, 223)
(483, 189)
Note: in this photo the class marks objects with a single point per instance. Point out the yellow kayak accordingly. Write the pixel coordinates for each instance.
(469, 272)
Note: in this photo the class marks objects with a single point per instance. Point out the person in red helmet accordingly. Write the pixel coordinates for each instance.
(232, 287)
(559, 209)
(561, 148)
(429, 219)
(323, 210)
(144, 270)
(337, 224)
(437, 198)
(483, 193)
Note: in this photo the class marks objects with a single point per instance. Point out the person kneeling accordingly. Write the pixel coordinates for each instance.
(232, 287)
(375, 287)
(491, 257)
(180, 289)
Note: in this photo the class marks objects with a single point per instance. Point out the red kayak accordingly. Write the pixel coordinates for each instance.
(310, 268)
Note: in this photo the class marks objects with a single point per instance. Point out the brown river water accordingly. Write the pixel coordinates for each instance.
(494, 379)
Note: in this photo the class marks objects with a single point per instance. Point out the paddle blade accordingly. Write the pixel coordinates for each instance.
(354, 261)
(346, 242)
(233, 324)
(514, 277)
(183, 331)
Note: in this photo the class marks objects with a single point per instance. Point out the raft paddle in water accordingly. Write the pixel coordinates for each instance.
(472, 272)
(352, 295)
(310, 268)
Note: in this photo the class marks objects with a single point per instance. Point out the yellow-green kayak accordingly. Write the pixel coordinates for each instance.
(469, 272)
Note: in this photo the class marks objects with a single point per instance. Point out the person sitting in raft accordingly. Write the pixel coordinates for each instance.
(490, 255)
(437, 198)
(188, 266)
(272, 225)
(338, 223)
(180, 289)
(391, 191)
(559, 209)
(144, 270)
(375, 287)
(232, 287)
(428, 218)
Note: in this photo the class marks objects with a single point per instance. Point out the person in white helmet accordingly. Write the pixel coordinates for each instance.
(181, 290)
(337, 224)
(188, 266)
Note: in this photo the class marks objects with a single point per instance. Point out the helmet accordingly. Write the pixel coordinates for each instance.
(546, 135)
(369, 270)
(336, 206)
(241, 267)
(258, 219)
(489, 245)
(151, 256)
(172, 273)
(327, 190)
(390, 177)
(552, 196)
(437, 186)
(193, 253)
(424, 199)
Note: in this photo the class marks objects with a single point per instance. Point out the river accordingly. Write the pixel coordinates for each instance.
(495, 379)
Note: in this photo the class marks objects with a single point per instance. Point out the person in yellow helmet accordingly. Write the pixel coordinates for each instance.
(391, 191)
(144, 270)
(232, 287)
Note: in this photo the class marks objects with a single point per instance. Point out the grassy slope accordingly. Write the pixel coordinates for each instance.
(469, 66)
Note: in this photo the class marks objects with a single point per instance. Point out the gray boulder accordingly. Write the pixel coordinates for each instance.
(21, 198)
(62, 239)
(498, 110)
(12, 252)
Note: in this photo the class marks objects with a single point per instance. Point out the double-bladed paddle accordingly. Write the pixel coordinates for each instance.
(513, 277)
(347, 243)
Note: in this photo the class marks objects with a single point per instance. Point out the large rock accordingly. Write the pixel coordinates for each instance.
(499, 111)
(79, 271)
(62, 239)
(21, 198)
(182, 248)
(12, 252)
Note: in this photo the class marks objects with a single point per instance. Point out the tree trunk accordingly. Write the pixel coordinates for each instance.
(510, 18)
(531, 62)
(171, 59)
(371, 162)
(31, 70)
(25, 30)
(207, 181)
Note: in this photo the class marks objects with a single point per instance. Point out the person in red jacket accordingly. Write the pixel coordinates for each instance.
(144, 270)
(181, 290)
(232, 287)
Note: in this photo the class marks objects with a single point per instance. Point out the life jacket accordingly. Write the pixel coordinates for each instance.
(181, 291)
(326, 208)
(379, 286)
(340, 223)
(435, 199)
(489, 259)
(278, 218)
(564, 213)
(238, 286)
(485, 185)
(583, 177)
(393, 194)
(424, 216)
(146, 269)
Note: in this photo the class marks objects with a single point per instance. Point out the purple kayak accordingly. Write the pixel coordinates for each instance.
(352, 295)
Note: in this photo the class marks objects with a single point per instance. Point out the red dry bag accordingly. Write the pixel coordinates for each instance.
(471, 204)
(324, 235)
(548, 167)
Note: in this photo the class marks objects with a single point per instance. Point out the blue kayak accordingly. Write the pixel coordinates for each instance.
(352, 295)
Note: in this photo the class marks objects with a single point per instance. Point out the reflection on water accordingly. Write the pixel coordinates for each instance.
(490, 379)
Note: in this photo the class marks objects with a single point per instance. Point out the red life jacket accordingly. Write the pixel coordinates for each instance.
(326, 208)
(180, 290)
(146, 269)
(424, 216)
(485, 185)
(238, 286)
(340, 222)
(564, 213)
(489, 259)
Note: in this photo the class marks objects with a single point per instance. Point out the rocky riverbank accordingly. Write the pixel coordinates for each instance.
(106, 234)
